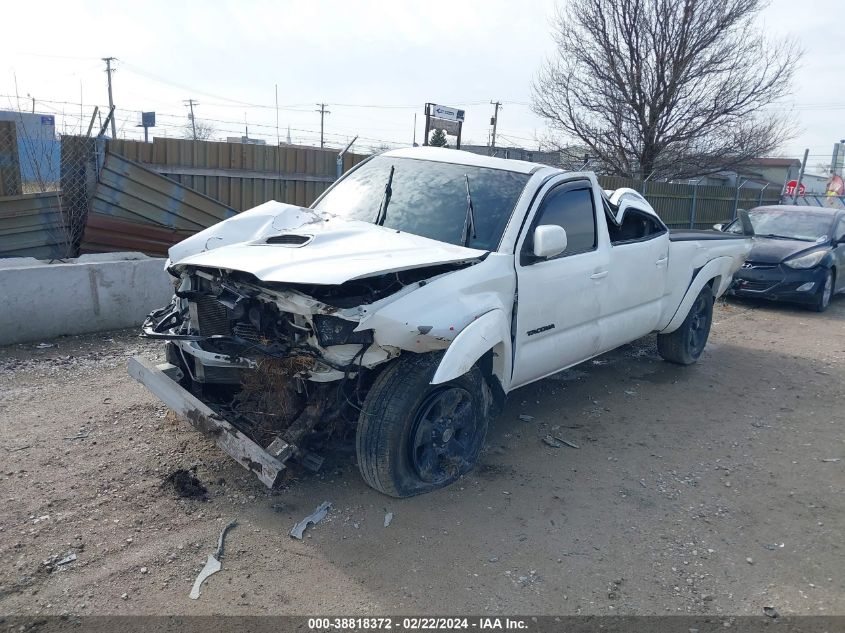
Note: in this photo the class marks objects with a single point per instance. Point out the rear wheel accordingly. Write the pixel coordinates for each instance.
(824, 294)
(684, 345)
(414, 437)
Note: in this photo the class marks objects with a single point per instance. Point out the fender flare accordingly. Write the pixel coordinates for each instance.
(479, 337)
(718, 267)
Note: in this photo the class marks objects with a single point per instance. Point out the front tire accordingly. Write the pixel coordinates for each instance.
(824, 294)
(684, 345)
(414, 437)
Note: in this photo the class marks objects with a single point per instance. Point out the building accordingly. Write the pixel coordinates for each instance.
(38, 148)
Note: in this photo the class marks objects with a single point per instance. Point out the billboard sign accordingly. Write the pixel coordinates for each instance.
(446, 113)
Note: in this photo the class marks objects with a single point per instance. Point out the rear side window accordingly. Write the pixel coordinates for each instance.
(636, 226)
(569, 206)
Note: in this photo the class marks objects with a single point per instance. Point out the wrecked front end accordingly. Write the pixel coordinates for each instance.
(279, 370)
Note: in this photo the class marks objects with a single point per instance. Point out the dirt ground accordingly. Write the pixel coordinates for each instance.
(716, 488)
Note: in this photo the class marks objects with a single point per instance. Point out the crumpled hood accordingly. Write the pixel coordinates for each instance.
(336, 250)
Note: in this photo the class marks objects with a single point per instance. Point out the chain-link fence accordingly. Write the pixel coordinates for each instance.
(45, 181)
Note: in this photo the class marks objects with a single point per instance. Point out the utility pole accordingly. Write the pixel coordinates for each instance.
(323, 112)
(800, 177)
(191, 103)
(493, 121)
(278, 139)
(108, 61)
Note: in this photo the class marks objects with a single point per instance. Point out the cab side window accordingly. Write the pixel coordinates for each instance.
(570, 206)
(636, 226)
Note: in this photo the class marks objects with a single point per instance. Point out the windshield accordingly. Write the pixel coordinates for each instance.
(429, 198)
(807, 226)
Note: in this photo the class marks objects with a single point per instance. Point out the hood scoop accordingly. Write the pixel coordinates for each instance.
(290, 239)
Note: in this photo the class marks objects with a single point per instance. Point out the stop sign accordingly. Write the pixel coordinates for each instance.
(790, 188)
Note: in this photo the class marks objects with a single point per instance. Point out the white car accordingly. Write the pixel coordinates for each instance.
(410, 299)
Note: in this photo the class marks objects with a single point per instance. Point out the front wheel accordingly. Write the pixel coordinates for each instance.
(823, 296)
(684, 345)
(414, 437)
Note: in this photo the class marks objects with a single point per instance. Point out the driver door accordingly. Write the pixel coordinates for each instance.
(559, 298)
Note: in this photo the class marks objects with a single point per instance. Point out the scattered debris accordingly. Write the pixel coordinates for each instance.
(212, 565)
(315, 517)
(18, 448)
(58, 560)
(387, 519)
(771, 612)
(79, 436)
(44, 345)
(749, 560)
(773, 546)
(526, 418)
(551, 442)
(832, 460)
(566, 442)
(186, 484)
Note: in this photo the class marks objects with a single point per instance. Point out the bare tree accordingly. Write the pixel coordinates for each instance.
(665, 88)
(204, 130)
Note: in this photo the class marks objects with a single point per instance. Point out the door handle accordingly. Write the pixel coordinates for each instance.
(599, 275)
(662, 261)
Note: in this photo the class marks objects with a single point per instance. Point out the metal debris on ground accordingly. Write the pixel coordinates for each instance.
(551, 442)
(44, 346)
(79, 436)
(832, 460)
(771, 612)
(526, 418)
(212, 565)
(315, 517)
(388, 517)
(58, 560)
(566, 442)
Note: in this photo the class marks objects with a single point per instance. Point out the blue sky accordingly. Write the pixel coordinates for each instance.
(373, 63)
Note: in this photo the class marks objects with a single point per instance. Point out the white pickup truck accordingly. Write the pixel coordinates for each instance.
(409, 299)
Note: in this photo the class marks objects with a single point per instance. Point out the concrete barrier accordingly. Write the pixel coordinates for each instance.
(104, 291)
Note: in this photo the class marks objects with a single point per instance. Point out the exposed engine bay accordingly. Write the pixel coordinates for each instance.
(287, 364)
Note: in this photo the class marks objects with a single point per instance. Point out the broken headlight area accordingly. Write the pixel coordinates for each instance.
(288, 380)
(332, 330)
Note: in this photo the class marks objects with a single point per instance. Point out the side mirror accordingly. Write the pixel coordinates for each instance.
(719, 227)
(549, 240)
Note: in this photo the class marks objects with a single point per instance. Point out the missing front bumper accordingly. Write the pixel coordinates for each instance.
(268, 468)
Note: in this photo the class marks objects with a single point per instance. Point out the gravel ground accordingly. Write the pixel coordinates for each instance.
(716, 488)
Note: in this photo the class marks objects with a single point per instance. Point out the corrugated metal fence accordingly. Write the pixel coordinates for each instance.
(130, 195)
(31, 226)
(241, 176)
(692, 206)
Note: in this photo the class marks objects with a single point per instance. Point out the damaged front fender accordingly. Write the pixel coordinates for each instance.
(490, 331)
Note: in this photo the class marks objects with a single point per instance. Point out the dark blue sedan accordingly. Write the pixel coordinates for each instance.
(798, 255)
